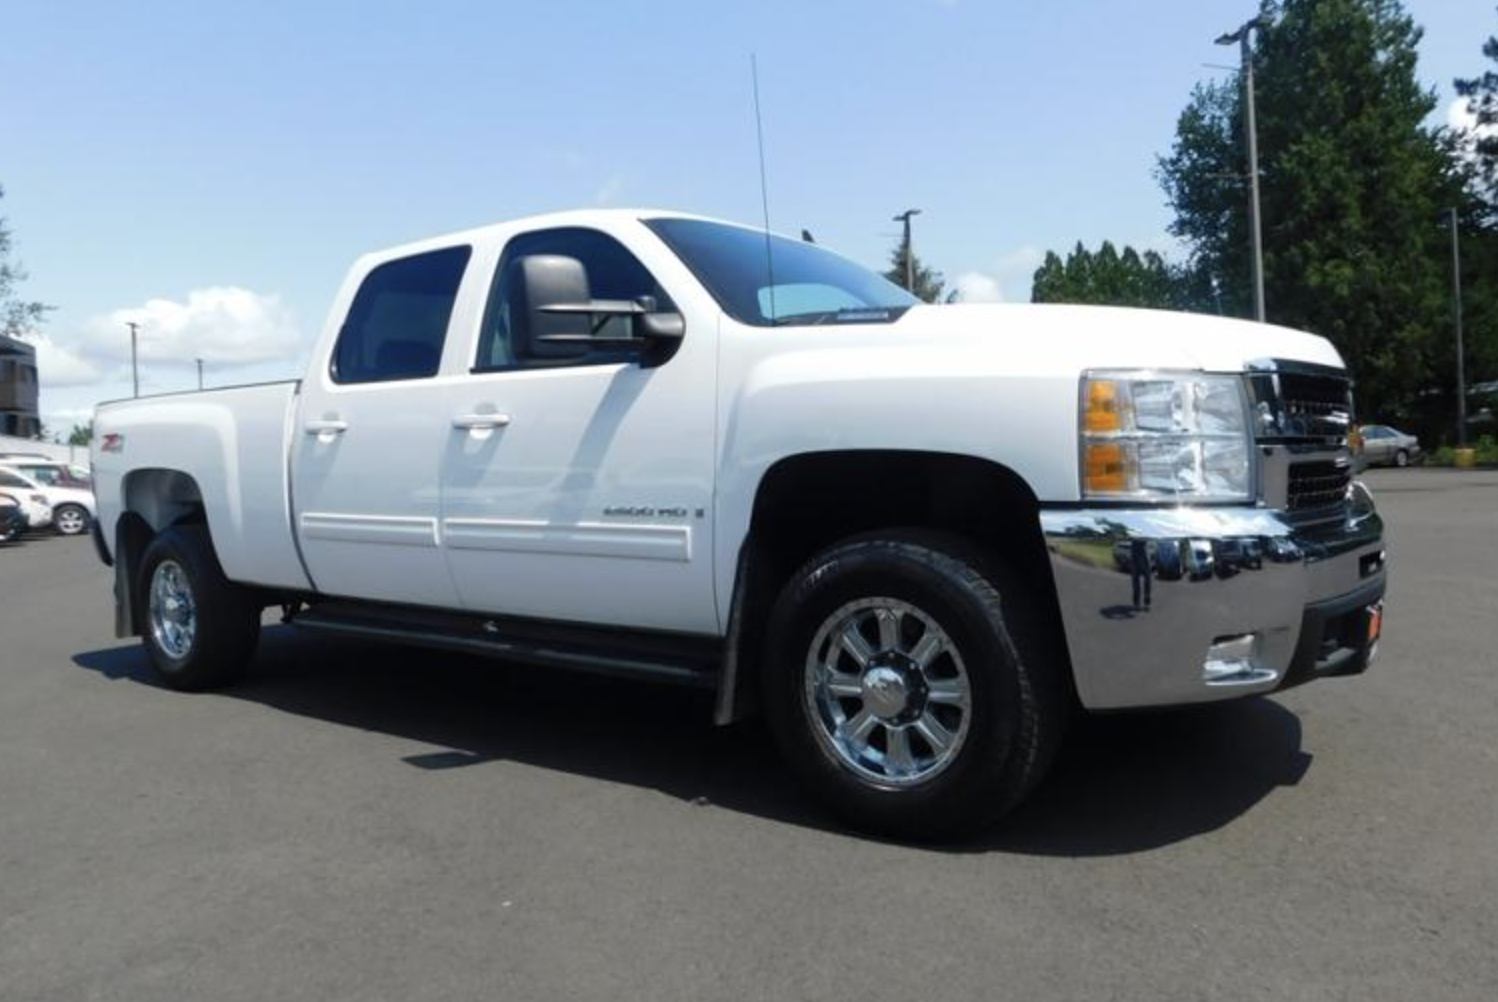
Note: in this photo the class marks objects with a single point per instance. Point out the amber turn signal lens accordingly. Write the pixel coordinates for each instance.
(1105, 473)
(1102, 406)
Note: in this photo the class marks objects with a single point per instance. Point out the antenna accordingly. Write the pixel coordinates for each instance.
(764, 185)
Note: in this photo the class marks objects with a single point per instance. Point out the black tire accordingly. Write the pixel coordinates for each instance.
(226, 616)
(1017, 692)
(1402, 458)
(70, 520)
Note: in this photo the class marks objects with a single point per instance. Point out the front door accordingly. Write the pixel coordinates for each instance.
(372, 423)
(577, 483)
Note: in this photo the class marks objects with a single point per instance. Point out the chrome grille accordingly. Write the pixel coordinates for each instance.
(1302, 404)
(1302, 419)
(1318, 484)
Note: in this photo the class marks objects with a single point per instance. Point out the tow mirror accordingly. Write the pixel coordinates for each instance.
(563, 319)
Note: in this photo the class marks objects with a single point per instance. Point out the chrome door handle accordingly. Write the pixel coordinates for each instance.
(326, 426)
(480, 422)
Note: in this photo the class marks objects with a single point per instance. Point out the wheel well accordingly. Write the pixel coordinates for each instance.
(808, 502)
(163, 498)
(153, 500)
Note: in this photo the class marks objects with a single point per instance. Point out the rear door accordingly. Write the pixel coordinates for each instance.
(373, 420)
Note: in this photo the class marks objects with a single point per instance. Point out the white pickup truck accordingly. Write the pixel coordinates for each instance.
(917, 537)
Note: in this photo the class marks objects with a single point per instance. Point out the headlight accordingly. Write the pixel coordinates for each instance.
(1165, 436)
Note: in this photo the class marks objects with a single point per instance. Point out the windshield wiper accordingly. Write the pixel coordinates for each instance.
(848, 314)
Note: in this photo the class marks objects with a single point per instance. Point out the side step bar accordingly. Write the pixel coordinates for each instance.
(664, 657)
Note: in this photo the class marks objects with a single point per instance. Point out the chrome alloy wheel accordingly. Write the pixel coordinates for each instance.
(887, 692)
(173, 612)
(71, 521)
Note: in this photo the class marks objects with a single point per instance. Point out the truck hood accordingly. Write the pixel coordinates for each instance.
(1068, 339)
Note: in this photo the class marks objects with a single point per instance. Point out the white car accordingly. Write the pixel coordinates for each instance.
(662, 446)
(72, 507)
(29, 494)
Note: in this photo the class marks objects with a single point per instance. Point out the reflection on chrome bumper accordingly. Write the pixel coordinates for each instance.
(1180, 605)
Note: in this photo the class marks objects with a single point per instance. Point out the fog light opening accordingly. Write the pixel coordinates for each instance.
(1235, 660)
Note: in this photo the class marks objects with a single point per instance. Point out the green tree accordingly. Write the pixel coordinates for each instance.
(17, 316)
(82, 434)
(1477, 152)
(1109, 277)
(930, 286)
(1481, 93)
(1353, 188)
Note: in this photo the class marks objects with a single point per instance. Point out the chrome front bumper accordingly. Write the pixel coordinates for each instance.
(1146, 593)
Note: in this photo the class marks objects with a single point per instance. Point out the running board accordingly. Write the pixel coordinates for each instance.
(664, 657)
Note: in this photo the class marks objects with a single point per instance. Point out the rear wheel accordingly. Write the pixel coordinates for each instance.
(70, 519)
(906, 691)
(200, 628)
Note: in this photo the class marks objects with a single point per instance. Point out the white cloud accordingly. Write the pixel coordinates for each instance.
(1460, 116)
(59, 365)
(608, 193)
(976, 287)
(1008, 277)
(225, 325)
(1463, 120)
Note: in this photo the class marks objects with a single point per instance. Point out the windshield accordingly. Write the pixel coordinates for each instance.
(811, 285)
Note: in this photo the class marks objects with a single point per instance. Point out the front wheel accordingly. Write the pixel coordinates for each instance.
(200, 628)
(70, 520)
(907, 690)
(1402, 458)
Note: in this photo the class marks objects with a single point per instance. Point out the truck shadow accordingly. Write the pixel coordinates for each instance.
(1123, 784)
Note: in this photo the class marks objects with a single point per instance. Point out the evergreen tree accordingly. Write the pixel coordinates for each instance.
(930, 286)
(1481, 92)
(1353, 188)
(1113, 278)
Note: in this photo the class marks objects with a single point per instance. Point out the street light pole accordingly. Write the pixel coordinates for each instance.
(134, 364)
(200, 372)
(1243, 37)
(904, 217)
(1456, 306)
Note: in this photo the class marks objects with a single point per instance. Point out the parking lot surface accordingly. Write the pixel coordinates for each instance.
(355, 822)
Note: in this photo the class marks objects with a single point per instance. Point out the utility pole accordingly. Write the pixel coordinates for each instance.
(1243, 38)
(904, 217)
(200, 372)
(134, 364)
(1456, 308)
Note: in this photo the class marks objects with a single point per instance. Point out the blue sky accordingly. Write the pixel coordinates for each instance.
(214, 168)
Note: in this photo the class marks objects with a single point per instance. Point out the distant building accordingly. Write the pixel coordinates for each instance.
(18, 397)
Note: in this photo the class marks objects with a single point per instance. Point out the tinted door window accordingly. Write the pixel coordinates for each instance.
(613, 273)
(398, 321)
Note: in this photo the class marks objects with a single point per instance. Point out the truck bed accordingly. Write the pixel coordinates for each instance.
(233, 443)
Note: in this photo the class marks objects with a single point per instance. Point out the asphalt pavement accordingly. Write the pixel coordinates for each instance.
(356, 822)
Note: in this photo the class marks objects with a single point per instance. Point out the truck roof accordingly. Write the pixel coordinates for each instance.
(570, 217)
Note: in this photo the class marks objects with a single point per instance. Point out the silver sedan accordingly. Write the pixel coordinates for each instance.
(1385, 446)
